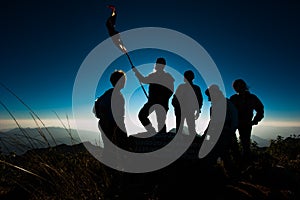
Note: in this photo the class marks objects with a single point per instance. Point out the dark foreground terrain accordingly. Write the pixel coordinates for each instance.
(71, 172)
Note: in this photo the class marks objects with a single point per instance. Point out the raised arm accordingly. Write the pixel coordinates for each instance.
(141, 78)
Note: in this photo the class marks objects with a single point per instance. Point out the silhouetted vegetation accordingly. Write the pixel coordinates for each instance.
(71, 172)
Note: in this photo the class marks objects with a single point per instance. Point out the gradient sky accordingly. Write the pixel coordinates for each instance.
(43, 44)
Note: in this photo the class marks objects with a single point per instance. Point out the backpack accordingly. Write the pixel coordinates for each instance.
(102, 106)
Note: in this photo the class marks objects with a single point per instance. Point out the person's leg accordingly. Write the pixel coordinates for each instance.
(179, 121)
(122, 139)
(245, 138)
(161, 115)
(230, 154)
(190, 120)
(235, 149)
(143, 117)
(107, 130)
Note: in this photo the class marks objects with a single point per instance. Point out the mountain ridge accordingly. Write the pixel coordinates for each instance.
(27, 138)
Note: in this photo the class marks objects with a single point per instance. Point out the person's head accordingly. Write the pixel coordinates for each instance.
(118, 79)
(189, 76)
(240, 86)
(213, 92)
(160, 64)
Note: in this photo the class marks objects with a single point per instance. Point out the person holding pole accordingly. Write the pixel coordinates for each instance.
(161, 88)
(161, 83)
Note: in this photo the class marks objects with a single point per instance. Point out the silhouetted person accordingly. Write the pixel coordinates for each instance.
(227, 143)
(161, 87)
(187, 102)
(110, 109)
(246, 103)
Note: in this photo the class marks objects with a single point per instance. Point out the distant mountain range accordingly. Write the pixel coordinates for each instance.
(260, 141)
(20, 140)
(271, 132)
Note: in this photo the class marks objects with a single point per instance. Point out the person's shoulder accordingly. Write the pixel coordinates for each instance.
(169, 75)
(110, 90)
(252, 95)
(181, 86)
(229, 101)
(230, 104)
(105, 95)
(152, 74)
(255, 98)
(232, 97)
(107, 92)
(196, 86)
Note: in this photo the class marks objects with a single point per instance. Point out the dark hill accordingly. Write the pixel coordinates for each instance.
(71, 172)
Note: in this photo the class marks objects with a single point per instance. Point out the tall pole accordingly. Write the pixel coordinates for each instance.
(132, 66)
(115, 35)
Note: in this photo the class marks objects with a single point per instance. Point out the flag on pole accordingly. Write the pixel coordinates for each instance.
(116, 38)
(114, 34)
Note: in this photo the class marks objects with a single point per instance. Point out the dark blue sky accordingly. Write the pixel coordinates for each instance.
(43, 44)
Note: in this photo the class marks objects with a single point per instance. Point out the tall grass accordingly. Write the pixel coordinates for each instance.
(49, 173)
(29, 108)
(73, 141)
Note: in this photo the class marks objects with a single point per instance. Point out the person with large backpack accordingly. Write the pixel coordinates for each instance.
(109, 108)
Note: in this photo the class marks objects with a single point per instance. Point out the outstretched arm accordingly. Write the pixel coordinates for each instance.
(141, 78)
